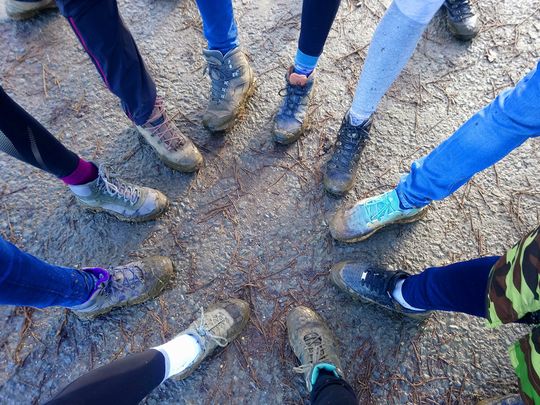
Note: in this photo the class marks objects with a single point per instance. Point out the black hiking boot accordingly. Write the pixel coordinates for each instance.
(372, 285)
(340, 170)
(461, 19)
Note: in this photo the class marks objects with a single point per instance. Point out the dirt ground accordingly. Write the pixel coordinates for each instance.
(252, 222)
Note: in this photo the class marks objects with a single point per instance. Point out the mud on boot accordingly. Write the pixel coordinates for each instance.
(461, 19)
(232, 82)
(129, 284)
(291, 118)
(340, 171)
(22, 10)
(372, 285)
(313, 343)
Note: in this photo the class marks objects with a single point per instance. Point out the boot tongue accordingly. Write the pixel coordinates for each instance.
(213, 56)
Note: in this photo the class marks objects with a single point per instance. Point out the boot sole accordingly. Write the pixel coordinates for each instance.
(181, 168)
(152, 293)
(368, 235)
(241, 108)
(143, 218)
(19, 13)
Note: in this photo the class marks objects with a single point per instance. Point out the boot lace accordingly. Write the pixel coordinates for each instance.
(116, 188)
(378, 209)
(125, 282)
(166, 131)
(293, 96)
(460, 9)
(207, 324)
(221, 76)
(313, 345)
(347, 151)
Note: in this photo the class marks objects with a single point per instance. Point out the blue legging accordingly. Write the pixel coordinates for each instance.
(458, 287)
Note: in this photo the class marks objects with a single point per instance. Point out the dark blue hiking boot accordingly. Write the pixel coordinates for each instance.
(372, 285)
(340, 170)
(461, 19)
(291, 118)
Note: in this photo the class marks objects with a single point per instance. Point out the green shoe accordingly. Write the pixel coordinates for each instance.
(314, 345)
(232, 83)
(125, 285)
(122, 200)
(22, 10)
(369, 215)
(217, 326)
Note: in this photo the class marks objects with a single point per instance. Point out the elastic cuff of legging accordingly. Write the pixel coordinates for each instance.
(305, 62)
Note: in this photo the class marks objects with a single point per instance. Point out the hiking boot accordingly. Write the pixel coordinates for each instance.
(22, 10)
(290, 120)
(340, 170)
(125, 285)
(461, 20)
(173, 148)
(512, 399)
(369, 215)
(372, 285)
(218, 326)
(314, 345)
(232, 83)
(122, 200)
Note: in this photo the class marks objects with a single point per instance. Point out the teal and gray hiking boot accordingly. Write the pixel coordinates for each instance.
(173, 148)
(369, 215)
(512, 399)
(232, 83)
(314, 345)
(340, 170)
(291, 118)
(461, 19)
(372, 285)
(123, 200)
(217, 326)
(125, 285)
(22, 10)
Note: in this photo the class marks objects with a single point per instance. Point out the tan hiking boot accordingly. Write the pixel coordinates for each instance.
(232, 83)
(174, 148)
(313, 343)
(22, 10)
(217, 326)
(126, 285)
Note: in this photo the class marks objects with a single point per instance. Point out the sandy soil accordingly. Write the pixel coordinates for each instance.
(252, 222)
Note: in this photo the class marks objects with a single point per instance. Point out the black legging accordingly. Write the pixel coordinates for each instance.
(129, 380)
(24, 138)
(317, 19)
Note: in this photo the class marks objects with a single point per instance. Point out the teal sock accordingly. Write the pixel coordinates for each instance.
(304, 64)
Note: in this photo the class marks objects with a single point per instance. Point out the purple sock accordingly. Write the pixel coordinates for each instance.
(84, 173)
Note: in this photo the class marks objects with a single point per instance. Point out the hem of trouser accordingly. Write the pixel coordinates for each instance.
(404, 202)
(141, 119)
(167, 363)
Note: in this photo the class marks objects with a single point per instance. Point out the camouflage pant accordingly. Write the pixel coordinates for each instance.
(513, 292)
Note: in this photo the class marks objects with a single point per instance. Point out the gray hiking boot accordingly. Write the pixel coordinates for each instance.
(22, 10)
(372, 285)
(232, 83)
(125, 285)
(314, 345)
(340, 170)
(173, 148)
(461, 19)
(122, 200)
(291, 118)
(512, 399)
(218, 326)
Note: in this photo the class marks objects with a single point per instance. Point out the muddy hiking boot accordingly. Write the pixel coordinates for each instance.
(511, 399)
(340, 170)
(314, 345)
(174, 149)
(125, 201)
(370, 215)
(232, 82)
(217, 326)
(372, 285)
(461, 19)
(22, 10)
(291, 118)
(125, 285)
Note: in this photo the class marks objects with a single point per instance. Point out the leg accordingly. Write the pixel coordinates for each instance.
(113, 51)
(125, 381)
(484, 139)
(26, 280)
(329, 389)
(219, 25)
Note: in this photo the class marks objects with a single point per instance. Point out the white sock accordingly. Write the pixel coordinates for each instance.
(357, 118)
(82, 190)
(398, 296)
(179, 354)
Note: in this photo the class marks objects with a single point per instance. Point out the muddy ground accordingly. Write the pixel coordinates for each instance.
(252, 222)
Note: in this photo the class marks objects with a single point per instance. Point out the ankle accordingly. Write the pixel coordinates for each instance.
(358, 119)
(180, 353)
(397, 295)
(84, 173)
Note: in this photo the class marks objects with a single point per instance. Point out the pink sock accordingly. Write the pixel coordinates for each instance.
(84, 173)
